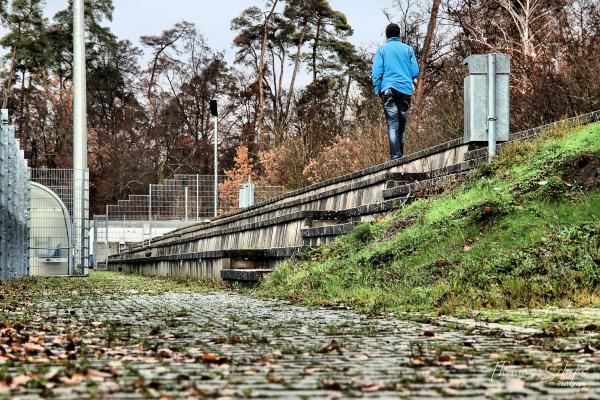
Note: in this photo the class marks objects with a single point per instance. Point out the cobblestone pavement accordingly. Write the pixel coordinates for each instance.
(181, 344)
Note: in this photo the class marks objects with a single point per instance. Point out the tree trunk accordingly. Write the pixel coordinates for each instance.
(261, 71)
(11, 73)
(346, 99)
(296, 69)
(315, 49)
(418, 100)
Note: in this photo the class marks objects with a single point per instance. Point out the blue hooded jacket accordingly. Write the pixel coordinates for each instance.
(395, 66)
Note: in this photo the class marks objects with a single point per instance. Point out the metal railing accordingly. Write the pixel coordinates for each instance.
(14, 204)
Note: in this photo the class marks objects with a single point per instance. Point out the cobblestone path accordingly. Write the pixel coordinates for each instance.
(184, 344)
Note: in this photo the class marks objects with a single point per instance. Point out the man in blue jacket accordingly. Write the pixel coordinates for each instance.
(394, 69)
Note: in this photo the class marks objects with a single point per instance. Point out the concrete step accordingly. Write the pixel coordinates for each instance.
(313, 237)
(329, 230)
(244, 275)
(476, 153)
(403, 178)
(437, 178)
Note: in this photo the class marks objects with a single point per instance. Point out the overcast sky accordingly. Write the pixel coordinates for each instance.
(134, 18)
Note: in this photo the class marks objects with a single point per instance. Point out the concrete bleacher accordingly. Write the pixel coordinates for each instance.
(247, 244)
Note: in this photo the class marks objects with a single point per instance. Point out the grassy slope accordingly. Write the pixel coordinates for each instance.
(514, 235)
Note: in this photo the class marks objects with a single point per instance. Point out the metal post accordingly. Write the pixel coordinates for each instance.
(186, 204)
(79, 135)
(216, 188)
(197, 197)
(150, 216)
(106, 243)
(95, 245)
(124, 240)
(491, 105)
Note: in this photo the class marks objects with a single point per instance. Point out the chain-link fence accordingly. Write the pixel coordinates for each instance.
(14, 204)
(177, 202)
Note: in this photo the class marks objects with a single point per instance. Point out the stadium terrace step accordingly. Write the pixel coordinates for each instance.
(322, 235)
(244, 275)
(201, 265)
(477, 153)
(436, 179)
(403, 178)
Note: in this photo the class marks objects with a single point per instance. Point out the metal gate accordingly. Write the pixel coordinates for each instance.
(50, 237)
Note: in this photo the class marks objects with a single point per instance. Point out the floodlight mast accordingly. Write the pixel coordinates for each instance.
(80, 149)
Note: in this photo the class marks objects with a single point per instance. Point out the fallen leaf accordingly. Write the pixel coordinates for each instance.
(75, 379)
(417, 361)
(97, 375)
(457, 382)
(449, 391)
(33, 347)
(331, 384)
(334, 345)
(589, 349)
(236, 339)
(446, 358)
(165, 353)
(214, 359)
(371, 388)
(19, 380)
(274, 379)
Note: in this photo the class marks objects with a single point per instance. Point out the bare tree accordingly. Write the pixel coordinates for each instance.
(525, 15)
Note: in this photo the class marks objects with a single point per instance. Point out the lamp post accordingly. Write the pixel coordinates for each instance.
(215, 113)
(80, 150)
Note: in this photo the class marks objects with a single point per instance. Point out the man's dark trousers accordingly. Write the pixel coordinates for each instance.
(396, 106)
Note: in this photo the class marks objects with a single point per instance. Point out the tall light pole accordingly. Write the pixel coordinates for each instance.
(215, 113)
(80, 150)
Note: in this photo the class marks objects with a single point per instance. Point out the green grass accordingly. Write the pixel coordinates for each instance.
(516, 234)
